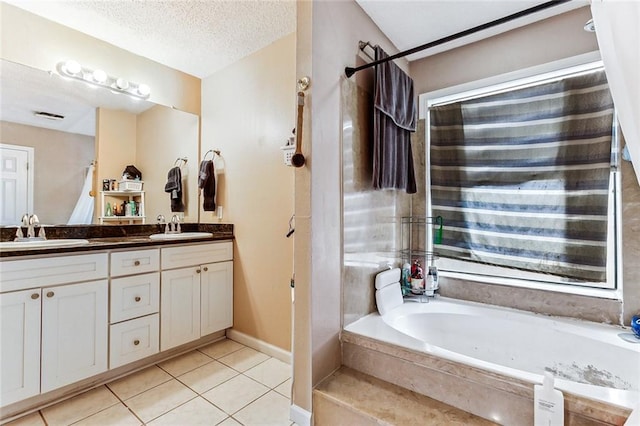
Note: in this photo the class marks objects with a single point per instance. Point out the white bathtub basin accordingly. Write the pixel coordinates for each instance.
(587, 359)
(180, 236)
(35, 244)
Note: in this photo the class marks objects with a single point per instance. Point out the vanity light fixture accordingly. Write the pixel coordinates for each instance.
(99, 78)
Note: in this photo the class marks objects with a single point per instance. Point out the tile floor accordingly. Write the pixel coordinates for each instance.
(224, 383)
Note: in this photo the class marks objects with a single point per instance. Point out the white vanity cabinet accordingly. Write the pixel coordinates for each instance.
(54, 323)
(20, 350)
(74, 333)
(135, 301)
(196, 292)
(216, 297)
(69, 317)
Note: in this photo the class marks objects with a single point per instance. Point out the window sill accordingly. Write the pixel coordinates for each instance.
(536, 285)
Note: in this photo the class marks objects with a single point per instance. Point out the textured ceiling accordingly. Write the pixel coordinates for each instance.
(196, 37)
(200, 37)
(411, 23)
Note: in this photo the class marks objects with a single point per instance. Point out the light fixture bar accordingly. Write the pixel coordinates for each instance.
(99, 78)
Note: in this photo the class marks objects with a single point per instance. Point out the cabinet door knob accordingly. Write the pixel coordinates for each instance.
(34, 296)
(136, 342)
(50, 294)
(137, 298)
(198, 271)
(205, 269)
(136, 263)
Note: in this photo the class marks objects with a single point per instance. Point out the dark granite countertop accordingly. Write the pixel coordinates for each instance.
(105, 237)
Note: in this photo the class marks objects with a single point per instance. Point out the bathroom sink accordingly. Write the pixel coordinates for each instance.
(34, 244)
(180, 236)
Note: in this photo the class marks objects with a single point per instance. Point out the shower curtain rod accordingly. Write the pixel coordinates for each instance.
(349, 71)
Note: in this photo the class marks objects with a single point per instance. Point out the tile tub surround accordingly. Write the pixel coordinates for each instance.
(200, 387)
(486, 394)
(370, 218)
(349, 397)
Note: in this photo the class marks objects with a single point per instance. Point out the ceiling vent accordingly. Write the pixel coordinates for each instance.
(48, 115)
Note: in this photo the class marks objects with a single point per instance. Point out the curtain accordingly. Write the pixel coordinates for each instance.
(83, 211)
(521, 177)
(618, 31)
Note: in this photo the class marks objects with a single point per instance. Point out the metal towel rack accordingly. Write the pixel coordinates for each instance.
(211, 151)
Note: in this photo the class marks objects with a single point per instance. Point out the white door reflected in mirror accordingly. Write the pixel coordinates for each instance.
(16, 183)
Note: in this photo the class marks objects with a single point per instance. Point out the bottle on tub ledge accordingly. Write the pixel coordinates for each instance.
(417, 278)
(405, 279)
(548, 409)
(431, 281)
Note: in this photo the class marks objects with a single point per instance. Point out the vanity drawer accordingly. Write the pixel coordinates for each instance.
(134, 340)
(134, 262)
(134, 296)
(47, 271)
(197, 254)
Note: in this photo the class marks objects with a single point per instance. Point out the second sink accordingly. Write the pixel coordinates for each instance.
(181, 235)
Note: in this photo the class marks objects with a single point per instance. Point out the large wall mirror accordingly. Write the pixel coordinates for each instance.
(54, 130)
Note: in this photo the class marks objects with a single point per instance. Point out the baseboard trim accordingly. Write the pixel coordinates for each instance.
(259, 345)
(299, 415)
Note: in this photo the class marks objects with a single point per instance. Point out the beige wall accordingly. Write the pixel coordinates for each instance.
(61, 160)
(28, 39)
(163, 135)
(248, 111)
(151, 141)
(545, 41)
(328, 35)
(302, 322)
(115, 149)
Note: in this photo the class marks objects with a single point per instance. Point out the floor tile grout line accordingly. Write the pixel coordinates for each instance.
(140, 393)
(43, 419)
(153, 387)
(174, 408)
(122, 401)
(197, 394)
(184, 372)
(221, 356)
(205, 354)
(86, 417)
(247, 404)
(207, 390)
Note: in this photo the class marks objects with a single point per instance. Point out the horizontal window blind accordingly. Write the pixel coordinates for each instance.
(521, 177)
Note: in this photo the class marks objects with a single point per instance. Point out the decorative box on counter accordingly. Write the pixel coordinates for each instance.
(130, 185)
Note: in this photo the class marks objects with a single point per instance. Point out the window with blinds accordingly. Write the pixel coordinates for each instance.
(522, 177)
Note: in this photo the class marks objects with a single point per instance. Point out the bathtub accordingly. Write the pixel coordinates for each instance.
(588, 360)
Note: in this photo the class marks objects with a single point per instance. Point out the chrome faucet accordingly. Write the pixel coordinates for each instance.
(31, 222)
(174, 226)
(31, 229)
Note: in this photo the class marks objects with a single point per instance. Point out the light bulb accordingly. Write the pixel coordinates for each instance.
(144, 90)
(122, 84)
(72, 67)
(99, 76)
